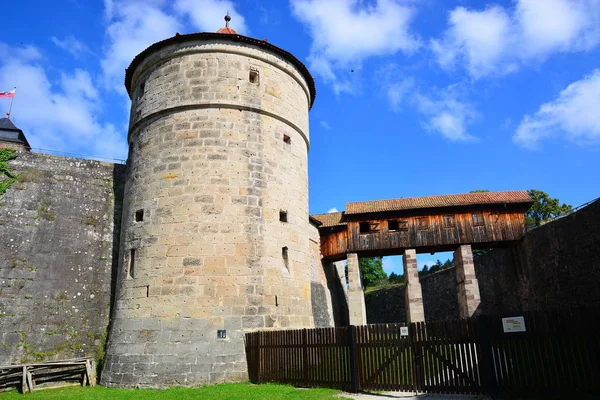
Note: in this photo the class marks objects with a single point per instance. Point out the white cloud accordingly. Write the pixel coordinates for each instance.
(574, 115)
(345, 32)
(72, 45)
(325, 125)
(447, 113)
(57, 116)
(208, 15)
(498, 40)
(397, 92)
(445, 110)
(332, 210)
(133, 26)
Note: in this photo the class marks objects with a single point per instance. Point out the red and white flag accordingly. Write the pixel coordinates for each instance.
(7, 95)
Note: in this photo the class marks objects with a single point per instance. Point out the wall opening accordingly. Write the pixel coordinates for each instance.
(139, 215)
(253, 77)
(285, 256)
(449, 221)
(393, 225)
(142, 90)
(364, 227)
(478, 220)
(131, 267)
(422, 223)
(287, 139)
(283, 216)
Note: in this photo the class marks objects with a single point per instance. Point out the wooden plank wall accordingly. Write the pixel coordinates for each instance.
(499, 226)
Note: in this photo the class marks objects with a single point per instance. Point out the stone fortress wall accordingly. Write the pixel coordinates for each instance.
(59, 231)
(218, 168)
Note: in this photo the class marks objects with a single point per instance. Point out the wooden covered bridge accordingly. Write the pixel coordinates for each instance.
(408, 226)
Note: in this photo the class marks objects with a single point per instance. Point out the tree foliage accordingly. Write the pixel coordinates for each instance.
(396, 278)
(371, 269)
(7, 178)
(545, 208)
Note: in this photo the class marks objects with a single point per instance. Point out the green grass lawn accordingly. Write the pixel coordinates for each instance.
(218, 392)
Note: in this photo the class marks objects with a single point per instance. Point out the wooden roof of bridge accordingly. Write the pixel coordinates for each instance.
(445, 200)
(517, 197)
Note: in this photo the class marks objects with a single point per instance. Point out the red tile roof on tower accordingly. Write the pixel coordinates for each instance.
(227, 30)
(446, 200)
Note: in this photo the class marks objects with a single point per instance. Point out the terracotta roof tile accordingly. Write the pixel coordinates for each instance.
(227, 30)
(447, 200)
(330, 219)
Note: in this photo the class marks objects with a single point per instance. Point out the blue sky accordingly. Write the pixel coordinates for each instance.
(413, 97)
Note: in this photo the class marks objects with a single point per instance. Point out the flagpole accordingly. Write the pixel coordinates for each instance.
(11, 103)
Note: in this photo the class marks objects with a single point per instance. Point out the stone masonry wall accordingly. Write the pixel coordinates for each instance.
(214, 161)
(56, 256)
(555, 266)
(323, 281)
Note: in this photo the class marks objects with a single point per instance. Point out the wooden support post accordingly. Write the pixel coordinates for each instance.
(93, 372)
(305, 357)
(24, 380)
(486, 359)
(354, 373)
(29, 381)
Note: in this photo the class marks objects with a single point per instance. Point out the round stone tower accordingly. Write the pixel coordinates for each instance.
(215, 231)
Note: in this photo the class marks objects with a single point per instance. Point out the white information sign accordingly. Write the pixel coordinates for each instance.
(513, 324)
(404, 331)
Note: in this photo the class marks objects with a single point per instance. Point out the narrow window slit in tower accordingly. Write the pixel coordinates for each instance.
(131, 263)
(284, 254)
(276, 303)
(287, 139)
(139, 215)
(142, 89)
(283, 216)
(147, 290)
(253, 77)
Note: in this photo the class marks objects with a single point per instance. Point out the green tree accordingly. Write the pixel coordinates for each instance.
(544, 208)
(371, 269)
(479, 191)
(396, 278)
(7, 178)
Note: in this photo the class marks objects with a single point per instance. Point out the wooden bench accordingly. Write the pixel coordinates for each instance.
(27, 377)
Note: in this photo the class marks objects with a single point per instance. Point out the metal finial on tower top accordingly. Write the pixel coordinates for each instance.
(227, 29)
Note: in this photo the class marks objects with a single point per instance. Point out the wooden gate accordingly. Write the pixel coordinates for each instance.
(556, 352)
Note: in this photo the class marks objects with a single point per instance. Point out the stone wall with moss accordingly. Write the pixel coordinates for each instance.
(59, 225)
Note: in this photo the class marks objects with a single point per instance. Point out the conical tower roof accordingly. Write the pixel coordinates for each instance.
(9, 133)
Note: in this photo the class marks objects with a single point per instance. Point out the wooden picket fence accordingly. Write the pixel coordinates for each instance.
(559, 352)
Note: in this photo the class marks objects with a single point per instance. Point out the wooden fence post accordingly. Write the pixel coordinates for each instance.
(353, 364)
(305, 357)
(487, 357)
(259, 361)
